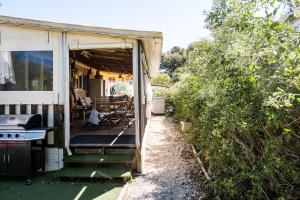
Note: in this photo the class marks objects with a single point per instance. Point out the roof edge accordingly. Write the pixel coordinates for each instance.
(65, 27)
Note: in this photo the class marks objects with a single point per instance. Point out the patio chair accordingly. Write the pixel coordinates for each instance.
(89, 102)
(102, 105)
(118, 102)
(86, 108)
(126, 113)
(130, 111)
(117, 98)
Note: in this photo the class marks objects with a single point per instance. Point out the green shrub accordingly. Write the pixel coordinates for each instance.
(242, 92)
(161, 79)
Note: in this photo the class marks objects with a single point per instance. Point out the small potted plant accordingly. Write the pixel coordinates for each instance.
(186, 125)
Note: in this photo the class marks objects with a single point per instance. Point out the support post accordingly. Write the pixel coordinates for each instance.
(40, 110)
(50, 123)
(6, 109)
(137, 103)
(28, 109)
(18, 109)
(66, 78)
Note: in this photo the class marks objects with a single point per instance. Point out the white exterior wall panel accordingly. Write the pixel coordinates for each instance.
(25, 39)
(17, 38)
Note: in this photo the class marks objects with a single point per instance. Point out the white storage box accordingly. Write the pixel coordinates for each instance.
(158, 105)
(54, 159)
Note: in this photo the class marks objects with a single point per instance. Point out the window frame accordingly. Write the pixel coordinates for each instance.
(37, 97)
(26, 75)
(15, 38)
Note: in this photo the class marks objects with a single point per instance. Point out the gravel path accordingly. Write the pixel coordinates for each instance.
(171, 172)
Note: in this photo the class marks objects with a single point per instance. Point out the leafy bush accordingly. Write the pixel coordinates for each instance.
(161, 93)
(242, 92)
(161, 79)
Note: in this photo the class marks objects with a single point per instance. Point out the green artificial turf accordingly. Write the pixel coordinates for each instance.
(98, 158)
(106, 173)
(46, 187)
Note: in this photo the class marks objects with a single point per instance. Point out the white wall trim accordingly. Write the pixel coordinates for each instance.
(144, 144)
(28, 97)
(104, 45)
(135, 53)
(66, 83)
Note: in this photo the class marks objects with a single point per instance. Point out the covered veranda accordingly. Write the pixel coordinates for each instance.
(102, 98)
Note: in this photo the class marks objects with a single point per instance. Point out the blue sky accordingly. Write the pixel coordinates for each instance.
(181, 21)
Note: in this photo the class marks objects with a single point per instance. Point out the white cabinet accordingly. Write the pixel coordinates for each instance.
(54, 159)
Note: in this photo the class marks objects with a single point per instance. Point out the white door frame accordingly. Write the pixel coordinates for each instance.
(66, 76)
(66, 89)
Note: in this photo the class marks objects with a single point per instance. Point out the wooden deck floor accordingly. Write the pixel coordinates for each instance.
(91, 135)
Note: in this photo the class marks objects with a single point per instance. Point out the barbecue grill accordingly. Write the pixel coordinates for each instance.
(22, 145)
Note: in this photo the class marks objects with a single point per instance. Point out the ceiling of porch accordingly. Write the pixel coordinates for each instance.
(111, 60)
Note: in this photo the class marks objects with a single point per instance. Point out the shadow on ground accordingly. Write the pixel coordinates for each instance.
(46, 187)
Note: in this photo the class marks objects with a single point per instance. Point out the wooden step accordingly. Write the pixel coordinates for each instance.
(99, 159)
(98, 141)
(95, 173)
(103, 150)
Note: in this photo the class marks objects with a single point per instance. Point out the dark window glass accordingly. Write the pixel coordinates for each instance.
(33, 71)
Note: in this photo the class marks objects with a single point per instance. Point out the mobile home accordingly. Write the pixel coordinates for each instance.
(47, 68)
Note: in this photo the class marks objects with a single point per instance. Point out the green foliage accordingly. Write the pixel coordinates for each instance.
(161, 93)
(173, 59)
(121, 89)
(161, 79)
(242, 92)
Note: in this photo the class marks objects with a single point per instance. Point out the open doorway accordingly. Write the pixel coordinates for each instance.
(101, 98)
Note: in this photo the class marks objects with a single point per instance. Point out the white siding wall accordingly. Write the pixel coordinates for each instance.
(24, 39)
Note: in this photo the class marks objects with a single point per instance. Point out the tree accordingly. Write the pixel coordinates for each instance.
(173, 59)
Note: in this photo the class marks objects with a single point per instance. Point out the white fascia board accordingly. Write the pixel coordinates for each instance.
(109, 45)
(153, 51)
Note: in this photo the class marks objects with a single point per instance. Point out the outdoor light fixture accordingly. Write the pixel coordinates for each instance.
(98, 75)
(89, 71)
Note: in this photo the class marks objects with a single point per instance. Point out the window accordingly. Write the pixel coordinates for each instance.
(79, 81)
(33, 71)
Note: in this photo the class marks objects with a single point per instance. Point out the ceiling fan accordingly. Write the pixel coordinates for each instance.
(86, 54)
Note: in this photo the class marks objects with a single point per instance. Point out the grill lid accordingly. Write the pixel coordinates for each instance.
(23, 122)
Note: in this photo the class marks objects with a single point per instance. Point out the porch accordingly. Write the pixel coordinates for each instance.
(92, 136)
(102, 103)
